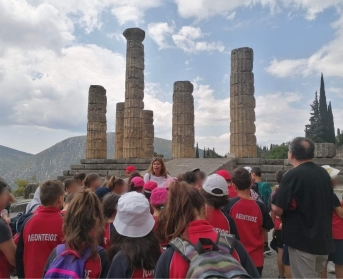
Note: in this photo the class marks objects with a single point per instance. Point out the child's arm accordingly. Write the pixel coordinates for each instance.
(8, 248)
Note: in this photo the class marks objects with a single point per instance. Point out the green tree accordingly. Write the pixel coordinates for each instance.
(197, 151)
(331, 126)
(204, 153)
(21, 185)
(278, 152)
(313, 130)
(323, 113)
(158, 155)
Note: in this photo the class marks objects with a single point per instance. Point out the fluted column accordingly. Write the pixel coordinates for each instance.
(148, 133)
(96, 144)
(183, 120)
(119, 139)
(242, 104)
(134, 94)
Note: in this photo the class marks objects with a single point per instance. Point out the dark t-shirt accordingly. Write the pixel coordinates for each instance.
(102, 192)
(5, 235)
(308, 226)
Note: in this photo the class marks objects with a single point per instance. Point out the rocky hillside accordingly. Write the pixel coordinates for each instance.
(51, 162)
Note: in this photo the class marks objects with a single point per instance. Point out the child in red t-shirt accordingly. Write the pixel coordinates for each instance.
(337, 227)
(215, 193)
(110, 203)
(83, 223)
(42, 232)
(227, 176)
(7, 247)
(252, 217)
(158, 201)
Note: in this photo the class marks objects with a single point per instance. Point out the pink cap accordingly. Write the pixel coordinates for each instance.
(159, 196)
(168, 182)
(137, 182)
(225, 174)
(149, 186)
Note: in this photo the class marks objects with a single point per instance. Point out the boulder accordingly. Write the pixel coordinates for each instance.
(325, 150)
(30, 189)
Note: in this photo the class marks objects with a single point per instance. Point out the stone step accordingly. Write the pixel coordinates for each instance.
(258, 161)
(103, 173)
(81, 168)
(131, 161)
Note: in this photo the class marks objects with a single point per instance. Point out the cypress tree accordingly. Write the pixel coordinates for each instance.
(313, 130)
(323, 113)
(331, 126)
(197, 151)
(204, 152)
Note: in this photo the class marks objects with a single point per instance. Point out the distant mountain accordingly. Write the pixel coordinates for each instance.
(51, 162)
(10, 159)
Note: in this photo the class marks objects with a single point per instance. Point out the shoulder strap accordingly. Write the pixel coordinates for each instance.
(186, 250)
(30, 210)
(60, 249)
(226, 242)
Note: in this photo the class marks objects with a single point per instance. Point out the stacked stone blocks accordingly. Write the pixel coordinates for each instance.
(97, 124)
(242, 104)
(183, 120)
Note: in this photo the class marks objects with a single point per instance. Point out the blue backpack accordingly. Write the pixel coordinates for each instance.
(67, 264)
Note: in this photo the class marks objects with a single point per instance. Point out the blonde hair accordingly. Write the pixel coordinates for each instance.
(163, 166)
(85, 214)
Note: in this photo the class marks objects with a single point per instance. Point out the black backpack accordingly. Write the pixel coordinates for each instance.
(18, 221)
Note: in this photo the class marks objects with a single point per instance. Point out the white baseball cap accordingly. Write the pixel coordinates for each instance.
(332, 171)
(215, 181)
(249, 169)
(133, 217)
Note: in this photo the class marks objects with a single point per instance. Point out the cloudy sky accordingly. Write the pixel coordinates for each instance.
(52, 50)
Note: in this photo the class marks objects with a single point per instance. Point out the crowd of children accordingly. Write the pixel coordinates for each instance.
(151, 226)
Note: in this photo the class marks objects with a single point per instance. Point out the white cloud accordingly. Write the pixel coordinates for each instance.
(187, 40)
(132, 10)
(158, 33)
(275, 117)
(53, 88)
(202, 9)
(328, 59)
(29, 27)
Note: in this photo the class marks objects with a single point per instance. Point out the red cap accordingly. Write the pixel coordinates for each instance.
(225, 174)
(130, 168)
(149, 186)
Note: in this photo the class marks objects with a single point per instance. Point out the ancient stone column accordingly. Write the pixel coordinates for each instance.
(119, 140)
(134, 94)
(148, 133)
(183, 120)
(96, 145)
(242, 104)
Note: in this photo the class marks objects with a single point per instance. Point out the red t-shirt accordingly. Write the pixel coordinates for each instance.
(232, 192)
(41, 234)
(251, 218)
(107, 236)
(277, 220)
(337, 222)
(196, 229)
(218, 220)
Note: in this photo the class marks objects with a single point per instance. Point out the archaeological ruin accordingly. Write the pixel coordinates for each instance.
(134, 126)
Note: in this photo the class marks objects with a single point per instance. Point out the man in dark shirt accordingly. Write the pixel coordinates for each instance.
(305, 200)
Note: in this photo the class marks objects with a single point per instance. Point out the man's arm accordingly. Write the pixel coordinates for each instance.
(278, 211)
(8, 248)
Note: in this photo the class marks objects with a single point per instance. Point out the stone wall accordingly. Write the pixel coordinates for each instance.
(325, 150)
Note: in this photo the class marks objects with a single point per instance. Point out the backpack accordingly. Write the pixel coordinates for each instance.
(18, 221)
(215, 263)
(68, 263)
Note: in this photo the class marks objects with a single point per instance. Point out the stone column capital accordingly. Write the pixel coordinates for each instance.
(134, 34)
(183, 86)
